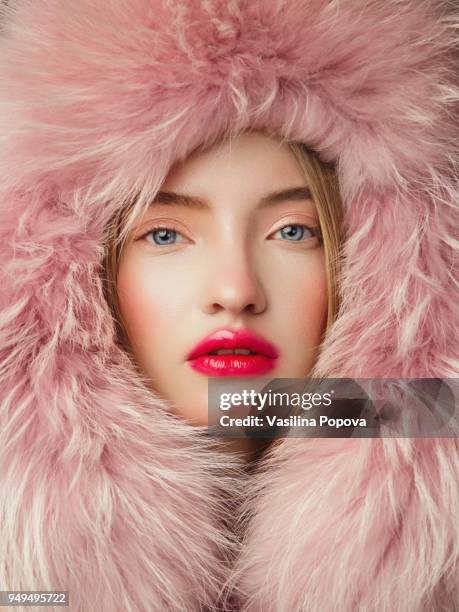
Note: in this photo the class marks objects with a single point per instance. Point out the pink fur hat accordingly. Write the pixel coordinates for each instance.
(102, 492)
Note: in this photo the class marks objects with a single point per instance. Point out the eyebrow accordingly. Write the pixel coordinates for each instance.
(294, 194)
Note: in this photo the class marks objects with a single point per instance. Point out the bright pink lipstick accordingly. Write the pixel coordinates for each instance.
(229, 352)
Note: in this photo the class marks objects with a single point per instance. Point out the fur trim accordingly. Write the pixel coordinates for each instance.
(97, 100)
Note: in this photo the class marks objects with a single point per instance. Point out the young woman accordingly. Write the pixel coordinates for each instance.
(231, 250)
(171, 171)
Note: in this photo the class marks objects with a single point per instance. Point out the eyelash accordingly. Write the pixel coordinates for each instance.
(316, 231)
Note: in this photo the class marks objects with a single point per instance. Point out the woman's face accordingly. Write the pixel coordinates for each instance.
(229, 251)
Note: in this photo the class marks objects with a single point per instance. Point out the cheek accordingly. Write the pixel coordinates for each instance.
(310, 300)
(302, 297)
(149, 304)
(304, 315)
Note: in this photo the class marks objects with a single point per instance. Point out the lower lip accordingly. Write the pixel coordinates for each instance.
(233, 365)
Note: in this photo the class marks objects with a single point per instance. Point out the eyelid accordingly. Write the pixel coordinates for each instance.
(311, 224)
(156, 224)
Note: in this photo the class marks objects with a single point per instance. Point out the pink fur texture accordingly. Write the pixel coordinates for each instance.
(104, 493)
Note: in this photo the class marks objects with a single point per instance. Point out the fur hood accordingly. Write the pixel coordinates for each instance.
(102, 492)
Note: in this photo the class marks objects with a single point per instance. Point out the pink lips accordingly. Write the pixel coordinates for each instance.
(262, 359)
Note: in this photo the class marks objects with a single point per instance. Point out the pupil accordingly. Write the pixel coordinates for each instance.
(164, 236)
(294, 232)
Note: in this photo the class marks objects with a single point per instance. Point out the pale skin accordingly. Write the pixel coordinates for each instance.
(233, 256)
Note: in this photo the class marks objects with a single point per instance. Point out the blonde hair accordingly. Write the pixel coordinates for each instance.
(323, 184)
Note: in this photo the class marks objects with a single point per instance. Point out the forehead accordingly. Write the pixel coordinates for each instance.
(248, 165)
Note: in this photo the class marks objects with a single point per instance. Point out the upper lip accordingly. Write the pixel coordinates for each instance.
(234, 339)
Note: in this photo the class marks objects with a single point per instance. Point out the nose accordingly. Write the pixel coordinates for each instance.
(233, 284)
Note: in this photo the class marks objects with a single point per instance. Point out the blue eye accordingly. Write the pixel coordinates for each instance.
(163, 236)
(295, 232)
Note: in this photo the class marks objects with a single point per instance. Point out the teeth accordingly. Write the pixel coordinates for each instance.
(232, 352)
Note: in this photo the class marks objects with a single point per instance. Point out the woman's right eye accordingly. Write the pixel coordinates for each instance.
(163, 236)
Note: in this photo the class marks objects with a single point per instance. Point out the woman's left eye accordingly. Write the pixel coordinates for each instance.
(296, 232)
